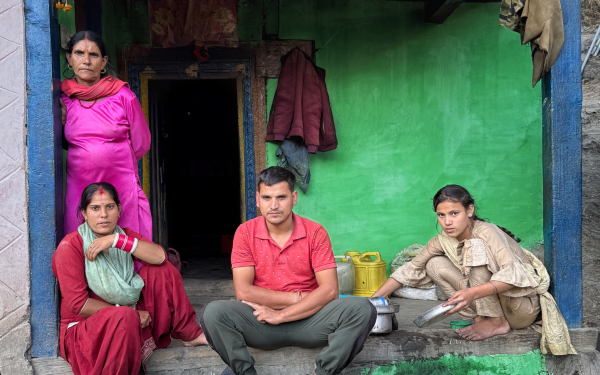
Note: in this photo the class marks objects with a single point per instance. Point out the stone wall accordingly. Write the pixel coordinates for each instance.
(15, 332)
(590, 165)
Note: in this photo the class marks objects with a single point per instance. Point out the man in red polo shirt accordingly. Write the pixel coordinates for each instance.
(285, 279)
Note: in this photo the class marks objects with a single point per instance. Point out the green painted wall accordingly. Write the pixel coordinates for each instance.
(532, 363)
(121, 27)
(257, 19)
(418, 106)
(66, 19)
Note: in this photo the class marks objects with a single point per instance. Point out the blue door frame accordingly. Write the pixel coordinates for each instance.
(561, 108)
(561, 143)
(44, 170)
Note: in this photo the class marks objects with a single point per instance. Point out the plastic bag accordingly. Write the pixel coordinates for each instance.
(402, 257)
(429, 294)
(405, 255)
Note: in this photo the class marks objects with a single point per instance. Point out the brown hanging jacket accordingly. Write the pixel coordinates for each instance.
(301, 105)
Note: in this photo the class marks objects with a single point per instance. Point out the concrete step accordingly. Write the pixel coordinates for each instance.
(402, 345)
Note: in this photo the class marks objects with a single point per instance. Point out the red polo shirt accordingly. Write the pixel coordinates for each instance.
(288, 268)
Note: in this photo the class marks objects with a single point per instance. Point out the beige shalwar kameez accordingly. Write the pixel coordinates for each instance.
(490, 254)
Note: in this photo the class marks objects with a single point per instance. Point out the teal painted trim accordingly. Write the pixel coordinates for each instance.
(561, 106)
(249, 143)
(44, 170)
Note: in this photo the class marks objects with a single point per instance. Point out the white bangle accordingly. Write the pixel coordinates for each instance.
(86, 301)
(135, 244)
(117, 305)
(116, 240)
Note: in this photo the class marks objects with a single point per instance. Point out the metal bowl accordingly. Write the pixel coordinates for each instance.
(383, 324)
(433, 315)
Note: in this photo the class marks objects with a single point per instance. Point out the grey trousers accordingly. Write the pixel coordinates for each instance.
(343, 326)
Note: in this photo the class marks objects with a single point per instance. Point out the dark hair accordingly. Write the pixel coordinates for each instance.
(89, 35)
(91, 189)
(275, 175)
(458, 194)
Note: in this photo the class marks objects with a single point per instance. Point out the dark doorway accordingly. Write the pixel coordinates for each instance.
(195, 165)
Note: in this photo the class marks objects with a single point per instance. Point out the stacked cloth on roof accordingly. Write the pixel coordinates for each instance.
(540, 24)
(301, 115)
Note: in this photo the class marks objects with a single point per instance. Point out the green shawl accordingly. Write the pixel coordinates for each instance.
(111, 274)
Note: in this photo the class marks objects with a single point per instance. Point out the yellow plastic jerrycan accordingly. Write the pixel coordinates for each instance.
(369, 273)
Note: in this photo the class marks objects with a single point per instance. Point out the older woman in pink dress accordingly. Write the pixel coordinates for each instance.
(107, 134)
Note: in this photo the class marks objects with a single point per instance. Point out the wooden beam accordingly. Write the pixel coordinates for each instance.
(437, 11)
(561, 155)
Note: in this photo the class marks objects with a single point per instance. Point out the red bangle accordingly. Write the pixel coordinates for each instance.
(129, 244)
(120, 241)
(124, 244)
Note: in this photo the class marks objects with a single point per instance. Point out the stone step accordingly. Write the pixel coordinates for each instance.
(409, 343)
(208, 288)
(403, 345)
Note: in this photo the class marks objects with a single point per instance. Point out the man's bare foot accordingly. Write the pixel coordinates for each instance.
(200, 340)
(484, 328)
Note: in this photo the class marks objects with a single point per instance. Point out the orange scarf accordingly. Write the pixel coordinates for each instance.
(107, 86)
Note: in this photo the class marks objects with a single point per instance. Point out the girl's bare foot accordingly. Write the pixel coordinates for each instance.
(200, 340)
(484, 328)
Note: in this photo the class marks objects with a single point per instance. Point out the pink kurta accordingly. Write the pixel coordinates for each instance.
(105, 143)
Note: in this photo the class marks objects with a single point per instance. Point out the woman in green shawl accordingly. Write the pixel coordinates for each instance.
(116, 287)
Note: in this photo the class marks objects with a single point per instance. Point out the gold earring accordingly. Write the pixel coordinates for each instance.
(103, 71)
(70, 67)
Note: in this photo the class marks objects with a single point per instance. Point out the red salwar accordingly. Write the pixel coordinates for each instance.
(112, 340)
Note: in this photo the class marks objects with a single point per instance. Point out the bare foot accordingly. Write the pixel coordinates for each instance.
(484, 328)
(200, 340)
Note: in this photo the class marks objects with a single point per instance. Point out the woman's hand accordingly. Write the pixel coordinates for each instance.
(98, 245)
(145, 318)
(462, 299)
(387, 288)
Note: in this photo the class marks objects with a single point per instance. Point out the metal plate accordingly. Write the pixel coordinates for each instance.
(433, 315)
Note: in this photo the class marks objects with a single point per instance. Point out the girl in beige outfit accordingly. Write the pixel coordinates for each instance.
(486, 274)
